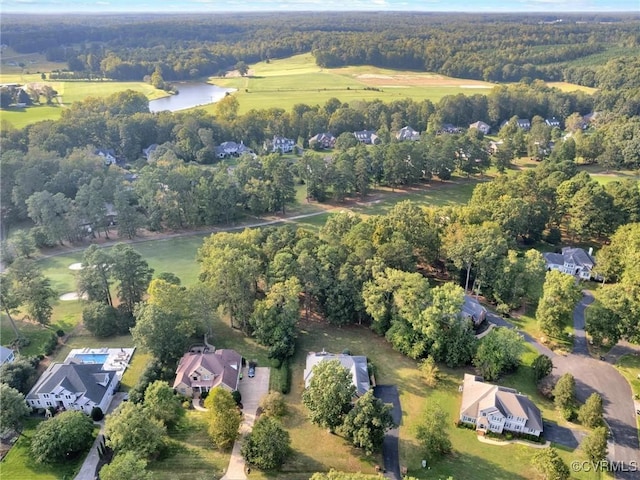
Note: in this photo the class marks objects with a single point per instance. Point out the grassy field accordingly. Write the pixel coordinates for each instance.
(572, 87)
(282, 83)
(629, 367)
(191, 454)
(19, 464)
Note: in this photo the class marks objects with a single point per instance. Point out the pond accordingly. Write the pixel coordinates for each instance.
(190, 95)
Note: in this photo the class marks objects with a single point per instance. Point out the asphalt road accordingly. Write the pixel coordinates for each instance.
(390, 452)
(593, 375)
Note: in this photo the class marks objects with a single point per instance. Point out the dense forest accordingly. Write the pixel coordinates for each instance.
(500, 48)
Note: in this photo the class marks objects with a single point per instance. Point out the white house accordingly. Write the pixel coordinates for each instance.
(574, 261)
(231, 149)
(74, 386)
(481, 126)
(108, 155)
(281, 144)
(407, 133)
(552, 122)
(367, 137)
(496, 409)
(6, 355)
(357, 366)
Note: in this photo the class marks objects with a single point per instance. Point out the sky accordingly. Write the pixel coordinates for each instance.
(215, 6)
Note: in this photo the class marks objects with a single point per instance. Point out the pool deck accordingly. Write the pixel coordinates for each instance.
(117, 358)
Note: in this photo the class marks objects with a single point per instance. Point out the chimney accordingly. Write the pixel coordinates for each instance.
(590, 251)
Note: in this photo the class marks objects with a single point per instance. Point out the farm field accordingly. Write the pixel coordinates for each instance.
(282, 83)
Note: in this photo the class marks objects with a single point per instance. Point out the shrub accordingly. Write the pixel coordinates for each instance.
(60, 333)
(568, 414)
(50, 345)
(273, 405)
(284, 378)
(236, 396)
(97, 414)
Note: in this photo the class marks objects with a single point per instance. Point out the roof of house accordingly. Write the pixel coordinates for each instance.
(88, 380)
(357, 366)
(570, 255)
(224, 365)
(406, 132)
(322, 136)
(479, 125)
(5, 353)
(578, 256)
(478, 395)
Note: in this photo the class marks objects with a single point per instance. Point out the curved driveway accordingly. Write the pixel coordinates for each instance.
(598, 376)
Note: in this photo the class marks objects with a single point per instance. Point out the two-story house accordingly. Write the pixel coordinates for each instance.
(481, 127)
(322, 140)
(280, 144)
(574, 261)
(407, 133)
(496, 409)
(202, 371)
(74, 386)
(368, 137)
(232, 149)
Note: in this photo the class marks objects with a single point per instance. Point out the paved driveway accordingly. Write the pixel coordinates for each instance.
(562, 435)
(251, 390)
(390, 452)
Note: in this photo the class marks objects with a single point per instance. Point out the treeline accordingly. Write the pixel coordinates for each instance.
(50, 175)
(502, 48)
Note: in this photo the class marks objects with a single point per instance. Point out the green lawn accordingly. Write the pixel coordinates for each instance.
(629, 367)
(191, 454)
(282, 83)
(19, 464)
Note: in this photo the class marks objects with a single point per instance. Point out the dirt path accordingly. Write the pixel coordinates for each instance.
(374, 198)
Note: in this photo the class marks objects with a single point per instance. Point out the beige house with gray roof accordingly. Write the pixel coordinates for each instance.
(496, 409)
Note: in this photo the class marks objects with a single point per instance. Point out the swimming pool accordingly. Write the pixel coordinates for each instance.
(98, 358)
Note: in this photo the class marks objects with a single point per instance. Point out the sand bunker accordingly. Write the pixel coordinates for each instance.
(67, 297)
(75, 266)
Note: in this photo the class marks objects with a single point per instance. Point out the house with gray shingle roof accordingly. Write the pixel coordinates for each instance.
(201, 371)
(574, 261)
(407, 133)
(6, 355)
(473, 310)
(357, 366)
(368, 137)
(496, 409)
(481, 127)
(74, 386)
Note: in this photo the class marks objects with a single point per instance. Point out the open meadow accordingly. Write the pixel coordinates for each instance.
(282, 83)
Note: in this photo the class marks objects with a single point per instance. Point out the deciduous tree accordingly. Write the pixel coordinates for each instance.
(594, 445)
(564, 393)
(125, 465)
(13, 408)
(559, 298)
(549, 464)
(131, 429)
(65, 434)
(541, 366)
(499, 352)
(162, 403)
(590, 414)
(268, 444)
(224, 418)
(329, 394)
(431, 432)
(367, 422)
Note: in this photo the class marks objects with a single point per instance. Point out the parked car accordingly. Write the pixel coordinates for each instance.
(252, 371)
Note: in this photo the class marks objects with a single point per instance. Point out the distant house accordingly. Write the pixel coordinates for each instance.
(449, 128)
(280, 144)
(552, 122)
(495, 146)
(523, 123)
(368, 137)
(495, 409)
(574, 261)
(323, 140)
(6, 355)
(74, 386)
(481, 127)
(202, 371)
(231, 149)
(357, 366)
(147, 152)
(407, 133)
(472, 310)
(590, 118)
(108, 155)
